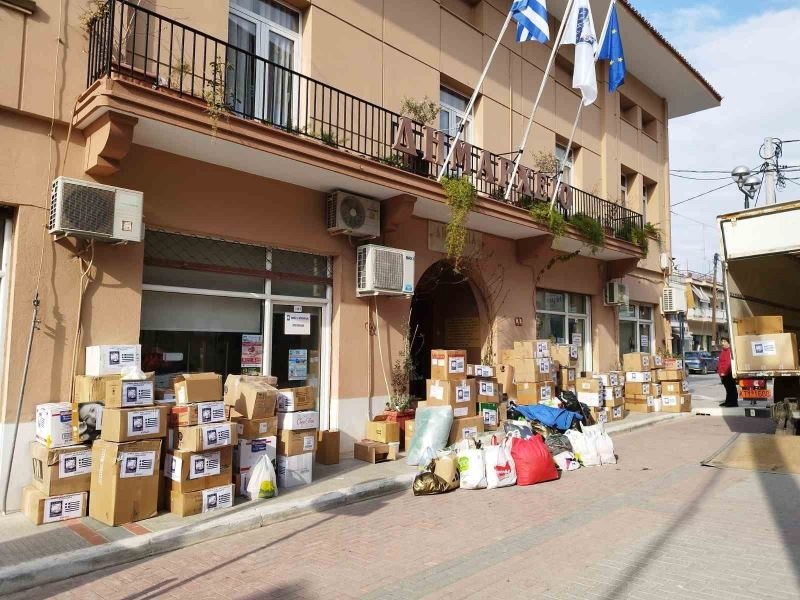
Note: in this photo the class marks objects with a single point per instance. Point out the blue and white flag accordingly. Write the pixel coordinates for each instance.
(580, 31)
(613, 53)
(531, 18)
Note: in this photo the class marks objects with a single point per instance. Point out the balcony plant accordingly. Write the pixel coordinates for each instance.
(549, 217)
(460, 199)
(423, 111)
(94, 12)
(214, 92)
(589, 228)
(652, 231)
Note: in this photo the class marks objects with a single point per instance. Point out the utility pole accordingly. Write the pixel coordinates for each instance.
(771, 173)
(714, 337)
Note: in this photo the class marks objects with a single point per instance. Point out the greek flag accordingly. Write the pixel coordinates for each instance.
(531, 18)
(579, 30)
(613, 53)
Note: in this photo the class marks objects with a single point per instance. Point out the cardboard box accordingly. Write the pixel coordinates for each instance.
(296, 399)
(295, 470)
(758, 326)
(567, 376)
(507, 355)
(636, 361)
(639, 376)
(465, 428)
(328, 447)
(251, 397)
(59, 471)
(448, 364)
(669, 375)
(480, 371)
(383, 431)
(129, 424)
(374, 452)
(292, 442)
(639, 408)
(54, 424)
(110, 360)
(460, 394)
(489, 390)
(611, 378)
(124, 481)
(303, 419)
(636, 389)
(129, 393)
(532, 349)
(532, 370)
(200, 413)
(248, 452)
(201, 501)
(656, 362)
(204, 437)
(676, 403)
(613, 396)
(409, 432)
(41, 509)
(768, 352)
(534, 393)
(601, 414)
(589, 385)
(198, 387)
(505, 377)
(256, 428)
(193, 471)
(565, 354)
(618, 412)
(656, 389)
(672, 388)
(92, 389)
(673, 364)
(490, 412)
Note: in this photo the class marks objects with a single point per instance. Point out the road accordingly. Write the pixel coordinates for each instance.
(706, 390)
(655, 526)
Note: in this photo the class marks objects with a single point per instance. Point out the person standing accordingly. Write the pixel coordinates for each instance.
(726, 375)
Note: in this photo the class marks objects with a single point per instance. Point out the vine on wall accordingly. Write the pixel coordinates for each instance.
(460, 199)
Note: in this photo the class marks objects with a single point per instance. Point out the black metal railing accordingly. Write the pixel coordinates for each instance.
(138, 43)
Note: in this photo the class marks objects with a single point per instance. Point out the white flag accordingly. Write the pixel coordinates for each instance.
(580, 31)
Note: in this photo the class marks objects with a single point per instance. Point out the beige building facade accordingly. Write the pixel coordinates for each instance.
(236, 120)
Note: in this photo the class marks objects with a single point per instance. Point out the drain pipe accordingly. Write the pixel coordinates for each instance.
(34, 327)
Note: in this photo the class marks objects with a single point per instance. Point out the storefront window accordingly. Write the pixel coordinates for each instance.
(564, 317)
(636, 329)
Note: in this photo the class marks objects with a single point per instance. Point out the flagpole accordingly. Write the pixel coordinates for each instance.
(580, 104)
(556, 44)
(476, 91)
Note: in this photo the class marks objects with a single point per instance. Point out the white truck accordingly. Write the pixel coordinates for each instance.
(761, 277)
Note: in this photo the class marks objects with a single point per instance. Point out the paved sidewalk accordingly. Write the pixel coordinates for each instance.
(657, 525)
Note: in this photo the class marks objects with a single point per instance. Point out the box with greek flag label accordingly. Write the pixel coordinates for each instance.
(204, 437)
(201, 501)
(192, 471)
(129, 424)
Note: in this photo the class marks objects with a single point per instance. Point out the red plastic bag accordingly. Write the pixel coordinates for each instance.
(533, 461)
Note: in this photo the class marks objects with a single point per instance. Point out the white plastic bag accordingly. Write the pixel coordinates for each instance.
(500, 469)
(262, 482)
(583, 450)
(566, 461)
(471, 465)
(596, 435)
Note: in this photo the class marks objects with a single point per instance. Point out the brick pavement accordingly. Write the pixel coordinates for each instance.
(657, 525)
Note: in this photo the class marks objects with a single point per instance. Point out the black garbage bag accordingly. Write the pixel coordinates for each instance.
(520, 428)
(543, 429)
(428, 483)
(570, 401)
(558, 443)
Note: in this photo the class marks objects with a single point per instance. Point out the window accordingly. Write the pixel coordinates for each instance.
(227, 307)
(565, 163)
(566, 318)
(453, 111)
(636, 328)
(270, 30)
(623, 190)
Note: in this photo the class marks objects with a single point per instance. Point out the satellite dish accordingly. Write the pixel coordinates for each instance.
(352, 212)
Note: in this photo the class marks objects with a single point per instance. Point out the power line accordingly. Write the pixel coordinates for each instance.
(699, 178)
(704, 193)
(691, 219)
(696, 171)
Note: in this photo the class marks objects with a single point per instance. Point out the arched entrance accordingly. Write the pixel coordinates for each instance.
(444, 314)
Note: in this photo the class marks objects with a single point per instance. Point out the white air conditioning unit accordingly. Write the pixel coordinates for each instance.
(353, 215)
(673, 300)
(384, 271)
(91, 210)
(616, 294)
(665, 261)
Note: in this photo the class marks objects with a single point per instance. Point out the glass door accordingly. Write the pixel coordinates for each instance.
(295, 353)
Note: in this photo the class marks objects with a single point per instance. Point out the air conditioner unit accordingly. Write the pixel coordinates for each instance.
(665, 261)
(673, 300)
(91, 210)
(353, 215)
(616, 294)
(384, 271)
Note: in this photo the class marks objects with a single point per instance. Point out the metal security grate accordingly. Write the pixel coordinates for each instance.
(388, 270)
(85, 208)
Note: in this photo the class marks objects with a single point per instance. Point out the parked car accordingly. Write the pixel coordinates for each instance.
(700, 362)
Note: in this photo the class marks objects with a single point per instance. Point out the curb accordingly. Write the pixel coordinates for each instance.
(648, 422)
(16, 578)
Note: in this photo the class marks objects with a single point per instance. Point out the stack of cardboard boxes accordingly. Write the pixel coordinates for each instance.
(655, 384)
(449, 385)
(492, 408)
(251, 403)
(298, 424)
(381, 441)
(533, 372)
(565, 364)
(603, 393)
(198, 466)
(760, 344)
(672, 387)
(639, 382)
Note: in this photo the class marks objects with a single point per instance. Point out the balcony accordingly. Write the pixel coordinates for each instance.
(231, 86)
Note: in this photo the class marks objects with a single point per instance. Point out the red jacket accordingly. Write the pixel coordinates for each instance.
(724, 364)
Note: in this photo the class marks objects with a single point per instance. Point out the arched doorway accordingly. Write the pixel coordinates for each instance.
(444, 314)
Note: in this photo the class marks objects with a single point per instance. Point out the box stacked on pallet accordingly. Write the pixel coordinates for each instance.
(298, 425)
(638, 382)
(449, 385)
(199, 465)
(675, 396)
(533, 372)
(491, 406)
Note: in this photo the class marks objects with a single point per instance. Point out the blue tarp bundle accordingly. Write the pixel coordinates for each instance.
(557, 418)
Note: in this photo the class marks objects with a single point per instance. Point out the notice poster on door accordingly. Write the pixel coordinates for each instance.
(645, 343)
(298, 365)
(577, 339)
(297, 324)
(252, 354)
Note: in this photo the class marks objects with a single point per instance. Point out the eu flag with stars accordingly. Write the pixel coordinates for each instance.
(613, 53)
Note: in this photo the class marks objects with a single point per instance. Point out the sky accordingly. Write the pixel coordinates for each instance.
(748, 50)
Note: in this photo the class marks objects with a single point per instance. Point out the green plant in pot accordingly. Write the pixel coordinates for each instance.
(589, 228)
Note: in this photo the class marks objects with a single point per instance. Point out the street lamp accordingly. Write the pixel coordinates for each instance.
(747, 182)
